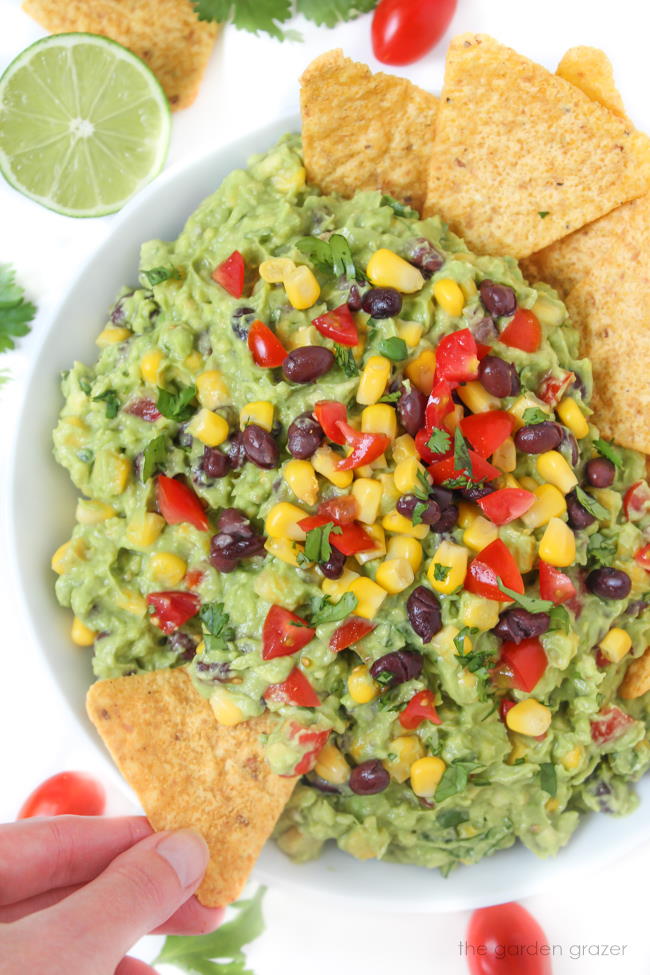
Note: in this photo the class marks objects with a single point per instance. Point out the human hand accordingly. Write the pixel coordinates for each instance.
(77, 892)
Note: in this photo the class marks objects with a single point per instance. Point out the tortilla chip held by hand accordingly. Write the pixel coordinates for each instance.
(189, 771)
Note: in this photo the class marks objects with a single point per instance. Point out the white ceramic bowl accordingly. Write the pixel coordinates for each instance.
(37, 529)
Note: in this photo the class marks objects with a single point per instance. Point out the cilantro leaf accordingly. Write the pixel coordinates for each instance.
(391, 397)
(251, 15)
(400, 209)
(439, 442)
(590, 503)
(548, 778)
(560, 619)
(328, 612)
(611, 453)
(600, 550)
(329, 13)
(454, 779)
(176, 406)
(543, 213)
(440, 571)
(418, 511)
(112, 401)
(317, 543)
(447, 818)
(345, 360)
(15, 312)
(156, 275)
(532, 603)
(342, 262)
(462, 460)
(153, 456)
(534, 415)
(393, 348)
(332, 255)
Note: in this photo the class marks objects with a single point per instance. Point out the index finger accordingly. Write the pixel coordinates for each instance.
(41, 854)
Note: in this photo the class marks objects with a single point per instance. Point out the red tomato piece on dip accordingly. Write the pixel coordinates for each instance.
(179, 503)
(172, 609)
(636, 501)
(265, 347)
(506, 504)
(494, 563)
(65, 794)
(349, 633)
(309, 739)
(296, 689)
(523, 331)
(554, 584)
(609, 725)
(338, 325)
(527, 660)
(230, 274)
(420, 708)
(284, 633)
(457, 357)
(366, 447)
(487, 431)
(329, 414)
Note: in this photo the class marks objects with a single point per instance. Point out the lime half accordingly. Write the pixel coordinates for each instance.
(84, 124)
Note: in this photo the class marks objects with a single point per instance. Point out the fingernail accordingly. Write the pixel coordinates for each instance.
(187, 854)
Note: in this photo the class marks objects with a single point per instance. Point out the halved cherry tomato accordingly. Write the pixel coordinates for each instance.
(445, 470)
(456, 357)
(65, 794)
(284, 633)
(420, 708)
(643, 557)
(350, 632)
(338, 325)
(312, 740)
(329, 414)
(555, 585)
(194, 578)
(179, 503)
(439, 404)
(342, 510)
(296, 689)
(504, 707)
(230, 274)
(527, 661)
(266, 348)
(172, 609)
(143, 408)
(609, 725)
(352, 539)
(552, 388)
(366, 447)
(505, 940)
(636, 501)
(523, 331)
(404, 30)
(506, 504)
(492, 563)
(487, 431)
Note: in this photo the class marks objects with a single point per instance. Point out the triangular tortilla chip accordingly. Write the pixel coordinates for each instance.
(365, 131)
(522, 157)
(589, 69)
(189, 771)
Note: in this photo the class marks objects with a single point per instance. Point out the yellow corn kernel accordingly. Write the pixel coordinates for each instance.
(212, 390)
(479, 612)
(111, 335)
(193, 361)
(210, 428)
(112, 470)
(549, 503)
(386, 269)
(528, 401)
(573, 417)
(306, 335)
(405, 475)
(615, 644)
(324, 461)
(282, 522)
(378, 536)
(403, 547)
(379, 418)
(398, 524)
(370, 596)
(303, 290)
(476, 397)
(395, 575)
(529, 717)
(549, 312)
(132, 602)
(480, 533)
(520, 748)
(467, 513)
(284, 549)
(166, 568)
(553, 468)
(261, 412)
(335, 588)
(301, 478)
(225, 708)
(425, 774)
(505, 456)
(373, 380)
(290, 181)
(276, 269)
(78, 431)
(452, 557)
(552, 805)
(529, 483)
(420, 371)
(558, 544)
(65, 555)
(367, 493)
(403, 752)
(150, 364)
(144, 529)
(410, 332)
(468, 288)
(331, 765)
(449, 296)
(404, 448)
(81, 634)
(92, 512)
(390, 492)
(573, 758)
(361, 687)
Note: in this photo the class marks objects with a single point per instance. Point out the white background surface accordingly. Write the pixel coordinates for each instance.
(251, 81)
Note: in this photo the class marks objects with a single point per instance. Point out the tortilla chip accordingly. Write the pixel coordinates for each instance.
(522, 157)
(637, 678)
(188, 771)
(166, 34)
(365, 131)
(589, 69)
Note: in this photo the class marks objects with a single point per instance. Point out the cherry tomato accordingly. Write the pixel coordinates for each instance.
(172, 609)
(366, 447)
(439, 405)
(445, 470)
(296, 689)
(555, 585)
(636, 501)
(314, 521)
(422, 438)
(527, 661)
(352, 539)
(145, 409)
(230, 274)
(456, 357)
(342, 510)
(404, 30)
(420, 708)
(643, 557)
(506, 504)
(552, 388)
(312, 740)
(194, 578)
(350, 632)
(523, 331)
(338, 325)
(329, 414)
(179, 503)
(505, 940)
(487, 431)
(609, 725)
(284, 633)
(494, 562)
(65, 794)
(265, 347)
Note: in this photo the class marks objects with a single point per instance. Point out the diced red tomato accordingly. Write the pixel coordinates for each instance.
(420, 708)
(552, 388)
(296, 689)
(523, 331)
(422, 437)
(366, 447)
(143, 408)
(555, 585)
(643, 557)
(636, 501)
(349, 633)
(445, 470)
(506, 940)
(179, 503)
(482, 350)
(506, 504)
(313, 521)
(329, 414)
(342, 510)
(194, 578)
(601, 659)
(352, 539)
(527, 661)
(487, 431)
(504, 707)
(439, 404)
(609, 725)
(284, 633)
(265, 347)
(338, 325)
(312, 740)
(65, 794)
(230, 274)
(456, 357)
(492, 563)
(172, 609)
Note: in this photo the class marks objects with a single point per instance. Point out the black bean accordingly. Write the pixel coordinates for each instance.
(442, 496)
(308, 363)
(636, 607)
(234, 521)
(411, 409)
(579, 517)
(315, 782)
(382, 302)
(475, 491)
(518, 624)
(236, 539)
(333, 568)
(241, 320)
(424, 255)
(182, 644)
(600, 472)
(397, 667)
(498, 299)
(212, 671)
(569, 447)
(579, 386)
(407, 503)
(118, 312)
(369, 778)
(609, 583)
(538, 438)
(424, 614)
(484, 331)
(354, 298)
(447, 520)
(498, 376)
(204, 343)
(215, 463)
(236, 452)
(304, 437)
(261, 449)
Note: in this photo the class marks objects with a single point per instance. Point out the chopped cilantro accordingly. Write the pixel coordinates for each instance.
(590, 503)
(331, 255)
(176, 406)
(600, 550)
(439, 442)
(317, 544)
(543, 213)
(156, 275)
(327, 612)
(548, 778)
(391, 397)
(459, 641)
(153, 456)
(560, 619)
(457, 483)
(400, 209)
(440, 571)
(448, 818)
(611, 453)
(15, 312)
(532, 603)
(110, 398)
(462, 460)
(422, 492)
(85, 386)
(345, 360)
(418, 511)
(393, 348)
(216, 626)
(454, 779)
(534, 415)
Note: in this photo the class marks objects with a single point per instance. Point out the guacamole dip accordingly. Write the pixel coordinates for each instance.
(339, 467)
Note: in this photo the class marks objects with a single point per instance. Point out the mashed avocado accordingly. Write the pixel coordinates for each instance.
(472, 699)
